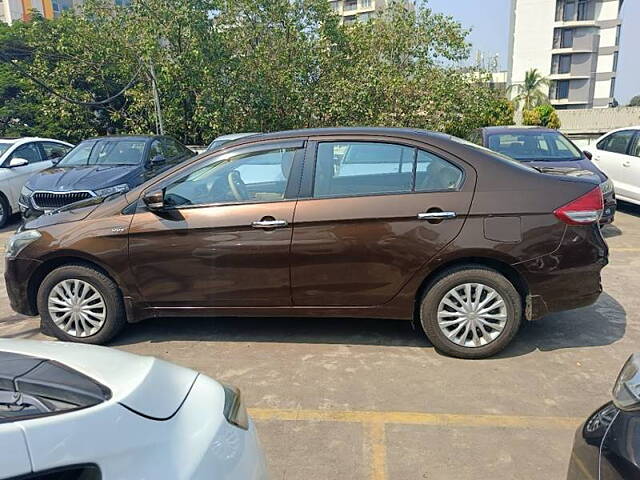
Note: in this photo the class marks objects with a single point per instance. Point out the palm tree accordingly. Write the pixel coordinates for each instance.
(530, 93)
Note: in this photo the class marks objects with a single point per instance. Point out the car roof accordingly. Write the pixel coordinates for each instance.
(516, 128)
(330, 131)
(145, 138)
(31, 139)
(234, 136)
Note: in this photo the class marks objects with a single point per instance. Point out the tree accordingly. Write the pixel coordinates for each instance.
(530, 93)
(242, 65)
(635, 101)
(542, 115)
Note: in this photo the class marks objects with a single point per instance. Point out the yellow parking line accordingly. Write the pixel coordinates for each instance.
(417, 418)
(374, 423)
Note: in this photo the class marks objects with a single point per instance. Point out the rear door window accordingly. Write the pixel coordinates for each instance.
(635, 146)
(346, 169)
(362, 168)
(29, 152)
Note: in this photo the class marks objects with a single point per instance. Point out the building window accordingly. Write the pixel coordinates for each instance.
(563, 38)
(365, 3)
(559, 90)
(561, 64)
(350, 5)
(350, 19)
(615, 61)
(618, 35)
(569, 10)
(364, 17)
(613, 88)
(583, 10)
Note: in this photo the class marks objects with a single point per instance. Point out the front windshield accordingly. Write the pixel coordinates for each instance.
(4, 147)
(105, 152)
(534, 146)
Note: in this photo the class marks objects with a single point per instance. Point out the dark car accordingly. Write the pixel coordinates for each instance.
(547, 149)
(100, 167)
(363, 222)
(607, 445)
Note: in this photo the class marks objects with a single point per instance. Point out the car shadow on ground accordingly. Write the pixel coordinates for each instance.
(12, 225)
(601, 324)
(628, 208)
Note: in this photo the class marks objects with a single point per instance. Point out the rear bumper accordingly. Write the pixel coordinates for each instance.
(17, 275)
(569, 277)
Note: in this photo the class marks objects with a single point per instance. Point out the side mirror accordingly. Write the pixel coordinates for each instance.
(18, 162)
(588, 154)
(154, 200)
(158, 160)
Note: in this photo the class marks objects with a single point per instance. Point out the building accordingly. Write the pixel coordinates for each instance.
(360, 10)
(574, 43)
(12, 10)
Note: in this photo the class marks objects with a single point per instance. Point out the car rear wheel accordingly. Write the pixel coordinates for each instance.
(471, 312)
(80, 304)
(5, 211)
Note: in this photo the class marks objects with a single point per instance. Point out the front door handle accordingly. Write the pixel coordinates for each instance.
(626, 164)
(436, 215)
(269, 224)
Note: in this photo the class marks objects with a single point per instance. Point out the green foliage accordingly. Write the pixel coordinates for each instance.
(635, 101)
(240, 65)
(531, 93)
(542, 115)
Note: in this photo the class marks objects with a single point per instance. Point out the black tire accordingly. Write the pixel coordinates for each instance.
(115, 312)
(5, 211)
(448, 280)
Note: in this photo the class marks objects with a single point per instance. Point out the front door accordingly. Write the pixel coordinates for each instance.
(378, 211)
(223, 239)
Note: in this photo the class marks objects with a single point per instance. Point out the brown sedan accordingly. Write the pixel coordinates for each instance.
(389, 223)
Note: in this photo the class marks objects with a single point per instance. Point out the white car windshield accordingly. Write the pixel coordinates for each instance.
(105, 152)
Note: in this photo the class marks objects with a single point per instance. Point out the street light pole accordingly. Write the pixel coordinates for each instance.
(156, 100)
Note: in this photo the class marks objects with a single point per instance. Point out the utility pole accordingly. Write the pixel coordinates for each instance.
(156, 100)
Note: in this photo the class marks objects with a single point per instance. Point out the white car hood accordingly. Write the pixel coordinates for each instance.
(148, 386)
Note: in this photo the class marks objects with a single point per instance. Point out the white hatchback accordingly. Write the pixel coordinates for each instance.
(19, 159)
(618, 155)
(71, 411)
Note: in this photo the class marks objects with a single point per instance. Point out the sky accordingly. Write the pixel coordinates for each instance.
(489, 24)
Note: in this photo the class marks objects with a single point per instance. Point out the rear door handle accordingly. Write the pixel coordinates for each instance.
(436, 215)
(269, 224)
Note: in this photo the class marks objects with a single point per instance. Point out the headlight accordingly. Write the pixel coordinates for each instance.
(606, 187)
(234, 410)
(103, 192)
(17, 242)
(626, 392)
(25, 196)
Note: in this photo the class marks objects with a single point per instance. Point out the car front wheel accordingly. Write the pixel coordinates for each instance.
(471, 312)
(78, 303)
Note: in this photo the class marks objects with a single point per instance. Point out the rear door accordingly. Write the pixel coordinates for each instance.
(376, 211)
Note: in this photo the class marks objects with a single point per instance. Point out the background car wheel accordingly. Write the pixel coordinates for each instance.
(471, 312)
(5, 211)
(80, 304)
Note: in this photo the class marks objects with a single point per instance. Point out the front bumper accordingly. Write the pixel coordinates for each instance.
(17, 278)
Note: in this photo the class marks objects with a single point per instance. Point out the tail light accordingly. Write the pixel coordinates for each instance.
(583, 210)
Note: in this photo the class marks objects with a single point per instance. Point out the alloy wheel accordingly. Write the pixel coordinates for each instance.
(472, 315)
(77, 308)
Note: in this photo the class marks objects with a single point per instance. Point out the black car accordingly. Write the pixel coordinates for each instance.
(549, 151)
(99, 167)
(607, 445)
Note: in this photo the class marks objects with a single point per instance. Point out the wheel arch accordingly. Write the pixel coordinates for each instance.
(500, 265)
(67, 258)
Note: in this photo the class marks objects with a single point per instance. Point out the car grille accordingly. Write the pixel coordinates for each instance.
(50, 200)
